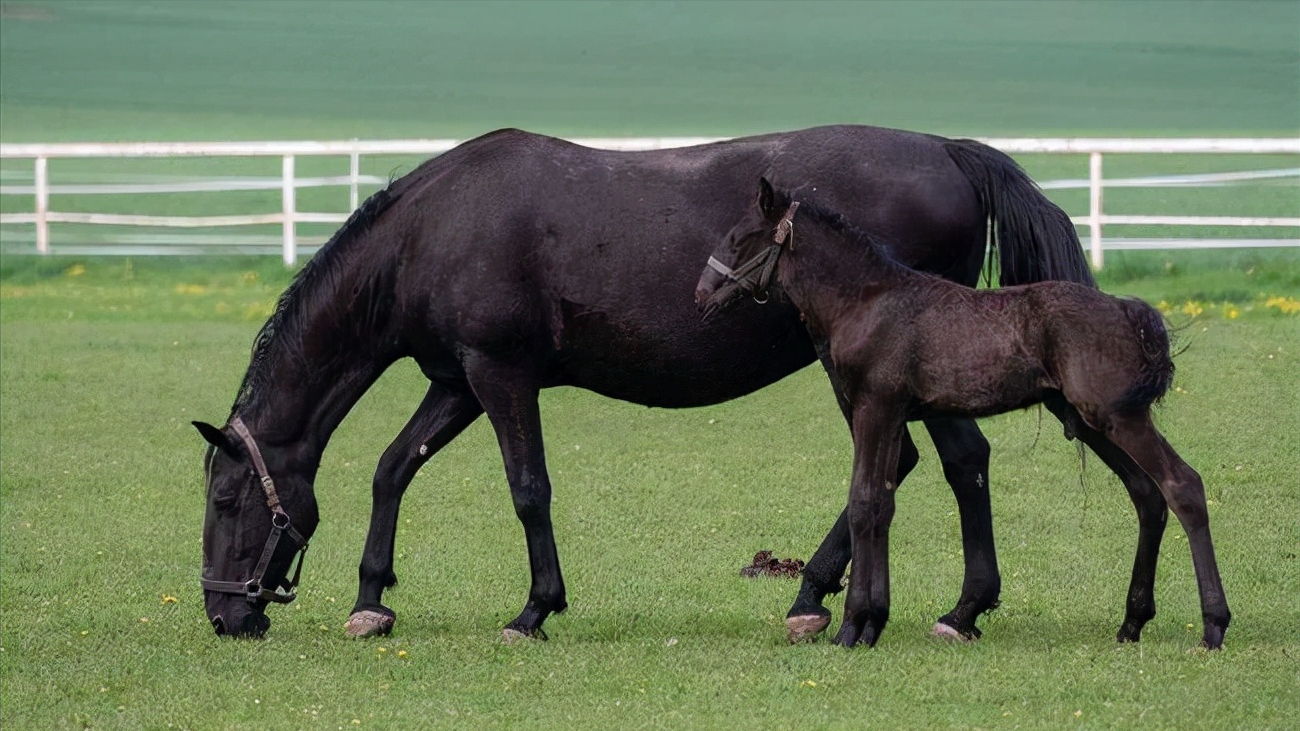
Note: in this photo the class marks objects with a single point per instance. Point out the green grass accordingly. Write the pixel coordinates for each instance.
(105, 361)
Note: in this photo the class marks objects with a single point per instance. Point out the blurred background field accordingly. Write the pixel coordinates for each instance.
(104, 360)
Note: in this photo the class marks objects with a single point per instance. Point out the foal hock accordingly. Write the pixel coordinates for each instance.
(909, 345)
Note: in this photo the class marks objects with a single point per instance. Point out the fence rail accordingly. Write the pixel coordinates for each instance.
(288, 183)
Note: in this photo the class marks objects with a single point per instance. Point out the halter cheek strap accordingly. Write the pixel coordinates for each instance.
(755, 276)
(281, 525)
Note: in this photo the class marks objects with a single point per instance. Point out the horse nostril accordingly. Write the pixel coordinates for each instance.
(219, 625)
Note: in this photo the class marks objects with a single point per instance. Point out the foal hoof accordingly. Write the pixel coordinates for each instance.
(806, 627)
(947, 632)
(369, 623)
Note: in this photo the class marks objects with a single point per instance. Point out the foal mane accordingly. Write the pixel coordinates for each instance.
(839, 224)
(305, 293)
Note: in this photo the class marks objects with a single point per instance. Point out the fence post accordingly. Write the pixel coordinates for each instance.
(42, 184)
(1094, 207)
(287, 196)
(354, 172)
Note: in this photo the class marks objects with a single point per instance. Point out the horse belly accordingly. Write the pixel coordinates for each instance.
(677, 361)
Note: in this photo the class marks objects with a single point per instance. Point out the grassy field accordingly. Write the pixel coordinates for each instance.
(106, 361)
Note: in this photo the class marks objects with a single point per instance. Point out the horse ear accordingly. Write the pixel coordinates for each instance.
(766, 197)
(216, 438)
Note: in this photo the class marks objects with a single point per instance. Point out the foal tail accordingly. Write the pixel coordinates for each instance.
(1157, 371)
(1034, 238)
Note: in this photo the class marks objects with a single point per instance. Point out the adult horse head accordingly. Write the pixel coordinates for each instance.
(246, 509)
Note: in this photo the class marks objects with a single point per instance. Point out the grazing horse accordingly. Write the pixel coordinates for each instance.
(517, 262)
(908, 345)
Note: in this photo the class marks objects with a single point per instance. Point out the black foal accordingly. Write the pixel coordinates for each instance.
(909, 345)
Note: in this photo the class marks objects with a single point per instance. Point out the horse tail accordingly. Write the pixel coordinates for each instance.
(1034, 238)
(1156, 374)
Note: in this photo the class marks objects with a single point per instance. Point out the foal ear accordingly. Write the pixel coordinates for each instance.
(766, 198)
(216, 438)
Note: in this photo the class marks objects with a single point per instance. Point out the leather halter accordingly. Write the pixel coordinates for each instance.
(253, 590)
(755, 276)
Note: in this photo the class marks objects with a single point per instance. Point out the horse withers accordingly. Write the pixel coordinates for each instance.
(907, 345)
(517, 262)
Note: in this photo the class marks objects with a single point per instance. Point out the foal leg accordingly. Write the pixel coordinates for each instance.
(1152, 513)
(442, 415)
(823, 573)
(964, 453)
(509, 397)
(1185, 493)
(877, 440)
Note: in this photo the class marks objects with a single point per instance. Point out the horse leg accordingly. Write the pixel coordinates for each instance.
(509, 397)
(1152, 512)
(824, 572)
(964, 453)
(877, 441)
(1184, 492)
(441, 416)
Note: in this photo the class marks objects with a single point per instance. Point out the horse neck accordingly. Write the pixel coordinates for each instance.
(829, 272)
(329, 341)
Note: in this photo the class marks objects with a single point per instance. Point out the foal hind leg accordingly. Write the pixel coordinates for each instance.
(509, 397)
(1152, 513)
(964, 453)
(441, 416)
(1185, 494)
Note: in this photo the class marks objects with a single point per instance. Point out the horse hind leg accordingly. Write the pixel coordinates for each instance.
(440, 418)
(1184, 492)
(509, 397)
(1152, 513)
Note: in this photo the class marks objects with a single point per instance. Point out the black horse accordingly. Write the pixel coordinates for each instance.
(516, 262)
(908, 345)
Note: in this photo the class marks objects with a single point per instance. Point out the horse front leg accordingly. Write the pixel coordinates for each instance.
(509, 397)
(440, 418)
(877, 440)
(964, 454)
(1184, 492)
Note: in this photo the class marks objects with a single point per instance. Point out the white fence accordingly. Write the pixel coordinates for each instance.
(289, 216)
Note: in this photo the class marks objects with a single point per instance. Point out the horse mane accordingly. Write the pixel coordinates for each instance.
(327, 265)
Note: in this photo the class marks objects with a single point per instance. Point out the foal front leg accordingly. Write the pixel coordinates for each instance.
(824, 572)
(877, 439)
(442, 415)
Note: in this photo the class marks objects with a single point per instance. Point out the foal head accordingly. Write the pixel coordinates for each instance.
(745, 264)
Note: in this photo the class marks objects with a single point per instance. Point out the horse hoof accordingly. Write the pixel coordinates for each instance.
(946, 632)
(806, 627)
(369, 623)
(513, 636)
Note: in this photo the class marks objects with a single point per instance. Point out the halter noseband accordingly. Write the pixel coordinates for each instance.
(755, 276)
(253, 590)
